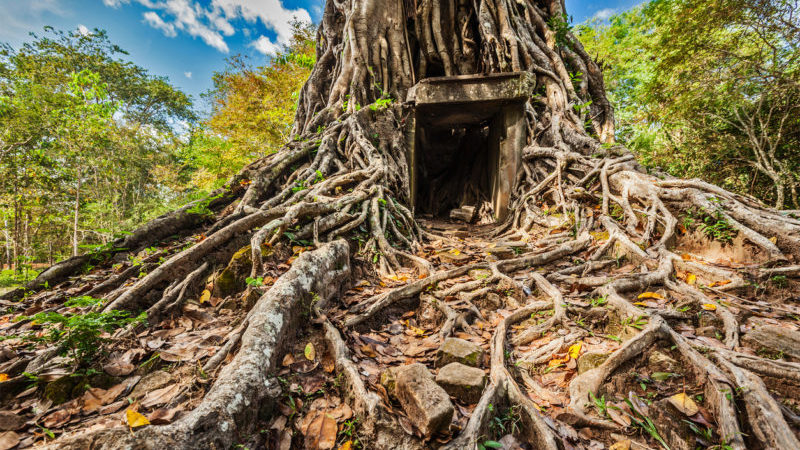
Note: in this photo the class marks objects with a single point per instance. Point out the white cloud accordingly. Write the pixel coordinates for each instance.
(211, 22)
(154, 20)
(265, 46)
(270, 12)
(83, 30)
(187, 74)
(604, 14)
(115, 3)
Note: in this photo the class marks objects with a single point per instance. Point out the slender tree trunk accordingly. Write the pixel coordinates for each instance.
(75, 219)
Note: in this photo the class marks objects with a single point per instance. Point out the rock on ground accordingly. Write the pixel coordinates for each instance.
(425, 403)
(462, 382)
(460, 351)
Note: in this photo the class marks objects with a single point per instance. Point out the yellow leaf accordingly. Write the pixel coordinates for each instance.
(309, 352)
(3, 377)
(773, 239)
(575, 350)
(684, 403)
(135, 419)
(641, 304)
(558, 361)
(205, 296)
(651, 295)
(719, 283)
(455, 251)
(691, 278)
(709, 306)
(346, 446)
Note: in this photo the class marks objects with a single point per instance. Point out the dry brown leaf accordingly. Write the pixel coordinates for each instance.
(684, 403)
(163, 416)
(8, 440)
(321, 432)
(160, 396)
(178, 353)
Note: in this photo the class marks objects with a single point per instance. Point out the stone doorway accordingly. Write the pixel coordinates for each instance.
(466, 137)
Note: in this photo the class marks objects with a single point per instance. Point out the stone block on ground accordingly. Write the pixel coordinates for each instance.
(460, 351)
(464, 214)
(425, 403)
(462, 382)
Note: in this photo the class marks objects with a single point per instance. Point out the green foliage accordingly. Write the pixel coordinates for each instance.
(14, 278)
(252, 114)
(646, 424)
(80, 333)
(255, 282)
(84, 139)
(562, 27)
(707, 89)
(711, 223)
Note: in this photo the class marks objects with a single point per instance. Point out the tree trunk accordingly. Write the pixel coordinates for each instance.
(583, 205)
(75, 216)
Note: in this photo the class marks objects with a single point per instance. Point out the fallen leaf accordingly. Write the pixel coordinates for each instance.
(691, 278)
(309, 352)
(719, 283)
(288, 360)
(8, 440)
(136, 419)
(651, 295)
(3, 377)
(160, 396)
(205, 296)
(321, 432)
(556, 361)
(621, 445)
(575, 350)
(618, 416)
(709, 306)
(684, 403)
(346, 446)
(661, 376)
(163, 416)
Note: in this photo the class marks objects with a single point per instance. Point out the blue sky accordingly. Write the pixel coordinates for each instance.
(187, 40)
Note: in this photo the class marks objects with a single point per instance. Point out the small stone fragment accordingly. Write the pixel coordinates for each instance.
(425, 403)
(464, 214)
(462, 382)
(460, 351)
(590, 360)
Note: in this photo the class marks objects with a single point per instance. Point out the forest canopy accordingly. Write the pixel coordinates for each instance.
(94, 145)
(708, 89)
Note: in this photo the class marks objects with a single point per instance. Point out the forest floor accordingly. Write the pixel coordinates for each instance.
(162, 371)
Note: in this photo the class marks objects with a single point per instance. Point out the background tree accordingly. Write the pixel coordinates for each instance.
(708, 89)
(82, 130)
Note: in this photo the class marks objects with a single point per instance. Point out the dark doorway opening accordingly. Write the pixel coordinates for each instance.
(455, 167)
(465, 136)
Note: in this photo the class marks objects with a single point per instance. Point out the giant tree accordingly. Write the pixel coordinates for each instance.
(584, 202)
